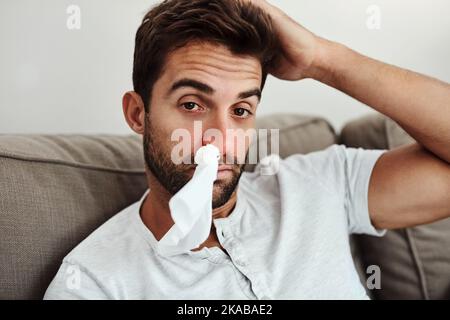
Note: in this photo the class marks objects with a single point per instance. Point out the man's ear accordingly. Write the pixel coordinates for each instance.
(134, 111)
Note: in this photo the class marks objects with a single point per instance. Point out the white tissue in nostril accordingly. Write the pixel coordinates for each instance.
(208, 154)
(191, 207)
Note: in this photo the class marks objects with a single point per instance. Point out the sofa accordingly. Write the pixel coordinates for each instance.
(56, 189)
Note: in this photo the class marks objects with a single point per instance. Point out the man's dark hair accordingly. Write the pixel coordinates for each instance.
(242, 27)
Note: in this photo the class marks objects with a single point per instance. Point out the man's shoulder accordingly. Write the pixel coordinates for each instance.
(298, 165)
(108, 241)
(326, 169)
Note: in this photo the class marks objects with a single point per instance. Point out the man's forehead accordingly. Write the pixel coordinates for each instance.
(213, 59)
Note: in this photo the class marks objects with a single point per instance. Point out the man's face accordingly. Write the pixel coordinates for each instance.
(206, 83)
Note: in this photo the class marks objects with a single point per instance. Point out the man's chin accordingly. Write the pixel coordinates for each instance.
(222, 192)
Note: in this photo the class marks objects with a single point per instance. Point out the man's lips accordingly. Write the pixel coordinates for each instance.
(223, 172)
(224, 167)
(221, 168)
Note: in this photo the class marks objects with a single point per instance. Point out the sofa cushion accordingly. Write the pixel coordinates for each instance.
(297, 134)
(414, 262)
(56, 189)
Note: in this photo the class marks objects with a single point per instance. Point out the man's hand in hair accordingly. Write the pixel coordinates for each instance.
(301, 48)
(410, 185)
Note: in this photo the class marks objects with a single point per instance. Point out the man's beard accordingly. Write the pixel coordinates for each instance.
(173, 177)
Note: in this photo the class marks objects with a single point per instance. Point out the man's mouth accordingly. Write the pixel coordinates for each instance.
(224, 167)
(224, 171)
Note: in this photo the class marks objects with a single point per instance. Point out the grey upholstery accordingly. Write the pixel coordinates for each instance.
(56, 189)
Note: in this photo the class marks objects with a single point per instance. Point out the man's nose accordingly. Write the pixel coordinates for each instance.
(215, 133)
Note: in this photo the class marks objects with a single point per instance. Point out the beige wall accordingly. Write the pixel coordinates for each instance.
(55, 80)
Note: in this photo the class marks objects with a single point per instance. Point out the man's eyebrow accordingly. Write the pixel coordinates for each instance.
(203, 87)
(247, 94)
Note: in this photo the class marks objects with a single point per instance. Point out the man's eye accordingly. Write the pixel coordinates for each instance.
(191, 106)
(241, 112)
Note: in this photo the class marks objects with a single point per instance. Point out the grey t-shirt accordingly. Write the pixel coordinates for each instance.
(287, 238)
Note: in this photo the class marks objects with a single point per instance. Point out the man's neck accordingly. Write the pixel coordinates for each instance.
(155, 213)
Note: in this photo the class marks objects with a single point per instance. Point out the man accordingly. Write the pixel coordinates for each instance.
(278, 236)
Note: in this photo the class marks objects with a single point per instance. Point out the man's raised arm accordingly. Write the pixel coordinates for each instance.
(410, 185)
